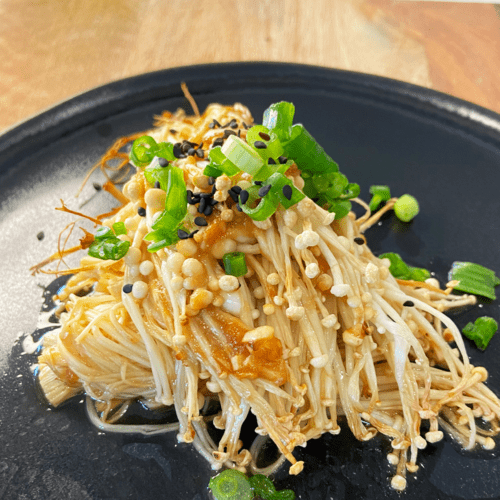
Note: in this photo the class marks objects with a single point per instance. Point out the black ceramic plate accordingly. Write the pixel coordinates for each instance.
(444, 151)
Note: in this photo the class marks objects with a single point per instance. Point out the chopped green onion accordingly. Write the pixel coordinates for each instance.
(340, 208)
(107, 246)
(166, 225)
(119, 228)
(235, 263)
(231, 484)
(212, 171)
(278, 182)
(481, 331)
(474, 278)
(155, 173)
(242, 155)
(175, 201)
(264, 208)
(379, 195)
(400, 270)
(259, 133)
(419, 274)
(406, 208)
(264, 488)
(351, 191)
(307, 153)
(143, 150)
(279, 118)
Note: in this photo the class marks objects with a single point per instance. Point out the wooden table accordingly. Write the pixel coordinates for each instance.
(54, 50)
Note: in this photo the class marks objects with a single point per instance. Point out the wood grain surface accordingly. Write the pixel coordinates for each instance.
(54, 49)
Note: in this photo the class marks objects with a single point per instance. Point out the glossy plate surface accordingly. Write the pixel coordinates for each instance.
(444, 151)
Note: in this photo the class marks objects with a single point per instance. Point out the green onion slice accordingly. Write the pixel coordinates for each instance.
(307, 153)
(166, 225)
(107, 246)
(406, 208)
(379, 195)
(119, 228)
(273, 148)
(278, 182)
(279, 118)
(481, 331)
(235, 263)
(474, 278)
(231, 484)
(143, 150)
(242, 155)
(264, 208)
(400, 270)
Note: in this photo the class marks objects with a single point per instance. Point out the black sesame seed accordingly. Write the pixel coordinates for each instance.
(214, 189)
(173, 131)
(258, 183)
(264, 190)
(271, 161)
(359, 241)
(191, 152)
(245, 125)
(157, 184)
(183, 155)
(202, 205)
(208, 210)
(218, 142)
(408, 303)
(190, 199)
(213, 202)
(182, 234)
(205, 195)
(163, 162)
(227, 133)
(97, 186)
(211, 181)
(287, 191)
(244, 196)
(214, 124)
(192, 233)
(200, 153)
(40, 236)
(282, 159)
(186, 146)
(239, 132)
(264, 136)
(200, 221)
(234, 196)
(196, 197)
(177, 150)
(239, 208)
(127, 288)
(233, 123)
(259, 145)
(141, 211)
(236, 189)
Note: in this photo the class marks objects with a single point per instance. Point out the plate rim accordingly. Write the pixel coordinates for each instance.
(114, 97)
